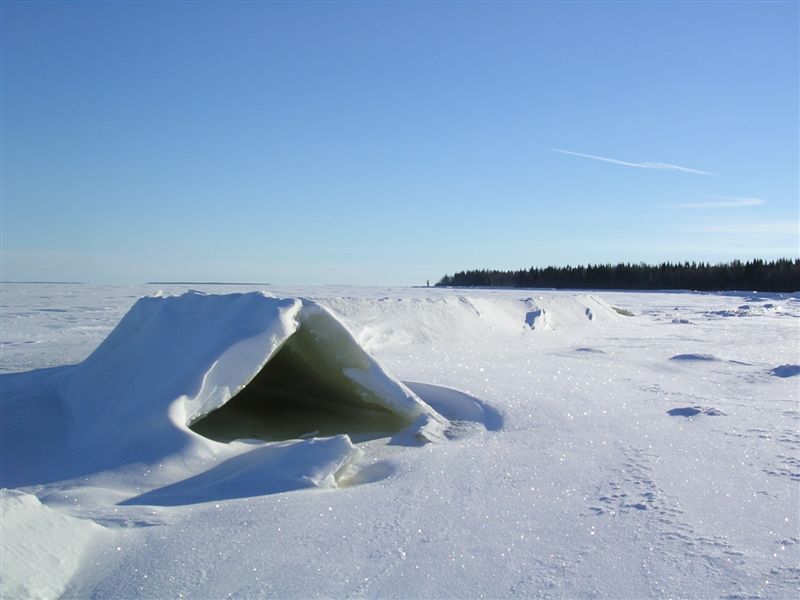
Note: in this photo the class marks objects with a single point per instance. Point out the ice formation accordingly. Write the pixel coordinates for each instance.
(180, 375)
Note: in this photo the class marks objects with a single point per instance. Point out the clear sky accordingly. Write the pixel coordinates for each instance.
(391, 143)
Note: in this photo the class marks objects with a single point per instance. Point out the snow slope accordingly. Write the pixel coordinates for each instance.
(576, 464)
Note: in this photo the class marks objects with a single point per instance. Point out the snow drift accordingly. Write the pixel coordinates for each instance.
(384, 323)
(180, 375)
(42, 548)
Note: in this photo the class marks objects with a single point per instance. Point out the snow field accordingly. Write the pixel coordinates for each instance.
(569, 477)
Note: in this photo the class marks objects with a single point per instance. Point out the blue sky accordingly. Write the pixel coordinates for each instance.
(381, 143)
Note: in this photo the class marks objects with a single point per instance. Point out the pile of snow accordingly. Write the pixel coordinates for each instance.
(41, 548)
(380, 323)
(172, 363)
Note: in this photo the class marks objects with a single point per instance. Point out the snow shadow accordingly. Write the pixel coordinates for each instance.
(786, 371)
(535, 319)
(695, 357)
(457, 406)
(691, 411)
(705, 358)
(590, 350)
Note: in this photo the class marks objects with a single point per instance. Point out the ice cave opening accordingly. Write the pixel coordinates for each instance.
(302, 392)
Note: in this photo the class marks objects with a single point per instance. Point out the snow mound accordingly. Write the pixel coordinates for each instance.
(571, 311)
(156, 392)
(192, 353)
(786, 371)
(380, 323)
(41, 548)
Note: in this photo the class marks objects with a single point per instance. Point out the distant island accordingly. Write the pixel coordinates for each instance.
(782, 275)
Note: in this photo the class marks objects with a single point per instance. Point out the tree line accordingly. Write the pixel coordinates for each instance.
(782, 275)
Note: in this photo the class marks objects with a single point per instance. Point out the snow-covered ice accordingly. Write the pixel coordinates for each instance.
(606, 444)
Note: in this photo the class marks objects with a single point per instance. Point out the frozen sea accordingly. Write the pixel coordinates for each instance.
(634, 445)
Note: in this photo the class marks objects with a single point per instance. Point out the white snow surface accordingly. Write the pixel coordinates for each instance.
(588, 453)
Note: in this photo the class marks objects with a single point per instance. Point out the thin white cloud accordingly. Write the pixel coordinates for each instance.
(722, 202)
(638, 165)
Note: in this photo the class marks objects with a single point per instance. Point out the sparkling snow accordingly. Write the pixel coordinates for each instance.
(652, 455)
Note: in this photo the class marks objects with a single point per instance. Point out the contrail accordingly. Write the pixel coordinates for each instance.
(638, 165)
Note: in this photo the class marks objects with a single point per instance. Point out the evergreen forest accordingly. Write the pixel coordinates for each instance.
(782, 275)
